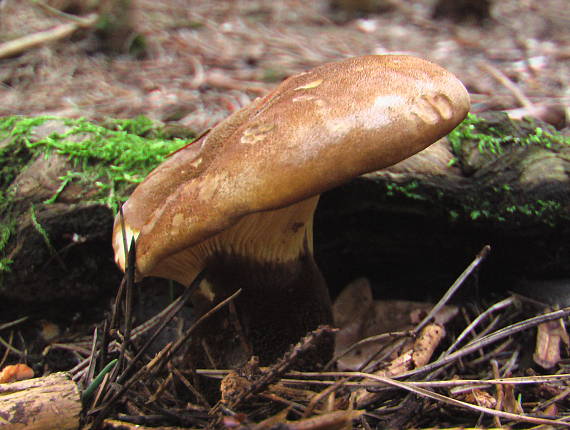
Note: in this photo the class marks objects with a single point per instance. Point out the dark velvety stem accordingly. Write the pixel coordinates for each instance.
(279, 304)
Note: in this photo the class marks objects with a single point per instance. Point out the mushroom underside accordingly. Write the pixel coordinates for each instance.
(269, 256)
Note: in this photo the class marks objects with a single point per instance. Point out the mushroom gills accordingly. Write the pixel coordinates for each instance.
(269, 255)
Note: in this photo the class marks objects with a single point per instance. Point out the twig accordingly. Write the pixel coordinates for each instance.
(30, 41)
(493, 353)
(280, 367)
(323, 394)
(173, 310)
(560, 396)
(154, 366)
(191, 388)
(355, 345)
(88, 378)
(500, 392)
(382, 354)
(9, 347)
(170, 351)
(454, 402)
(13, 323)
(487, 340)
(507, 83)
(6, 350)
(497, 306)
(537, 379)
(80, 21)
(453, 289)
(128, 319)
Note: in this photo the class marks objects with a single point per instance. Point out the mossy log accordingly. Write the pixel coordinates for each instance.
(50, 402)
(61, 183)
(411, 228)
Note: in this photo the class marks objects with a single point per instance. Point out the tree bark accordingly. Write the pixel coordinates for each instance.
(50, 402)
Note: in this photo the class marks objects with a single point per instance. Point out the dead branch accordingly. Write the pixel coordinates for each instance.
(50, 402)
(30, 41)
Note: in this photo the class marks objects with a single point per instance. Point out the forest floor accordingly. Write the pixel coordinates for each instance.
(202, 60)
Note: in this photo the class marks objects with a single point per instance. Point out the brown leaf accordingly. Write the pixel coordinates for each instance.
(384, 316)
(510, 402)
(479, 397)
(353, 302)
(338, 420)
(551, 410)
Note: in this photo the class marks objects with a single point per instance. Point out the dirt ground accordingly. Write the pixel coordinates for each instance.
(204, 59)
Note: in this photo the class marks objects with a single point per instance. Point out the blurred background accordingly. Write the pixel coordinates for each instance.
(192, 62)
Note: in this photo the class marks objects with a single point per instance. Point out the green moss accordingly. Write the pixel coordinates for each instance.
(408, 190)
(108, 159)
(493, 144)
(492, 135)
(492, 138)
(498, 204)
(539, 209)
(5, 233)
(112, 157)
(41, 230)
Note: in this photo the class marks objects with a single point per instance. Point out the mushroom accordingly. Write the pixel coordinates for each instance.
(237, 204)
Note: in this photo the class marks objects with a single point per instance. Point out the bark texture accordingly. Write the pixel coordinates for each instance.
(50, 402)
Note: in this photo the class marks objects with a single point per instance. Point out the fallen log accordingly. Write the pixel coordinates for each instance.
(49, 402)
(412, 229)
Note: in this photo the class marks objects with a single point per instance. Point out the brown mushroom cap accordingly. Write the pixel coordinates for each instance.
(265, 165)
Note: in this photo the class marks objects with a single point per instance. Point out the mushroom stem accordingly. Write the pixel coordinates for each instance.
(279, 304)
(283, 297)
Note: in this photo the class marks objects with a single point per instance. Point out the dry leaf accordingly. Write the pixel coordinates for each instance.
(510, 402)
(352, 303)
(338, 420)
(358, 317)
(351, 309)
(274, 421)
(299, 395)
(418, 355)
(479, 397)
(49, 331)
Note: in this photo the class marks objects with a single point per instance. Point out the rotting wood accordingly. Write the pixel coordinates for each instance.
(50, 402)
(394, 224)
